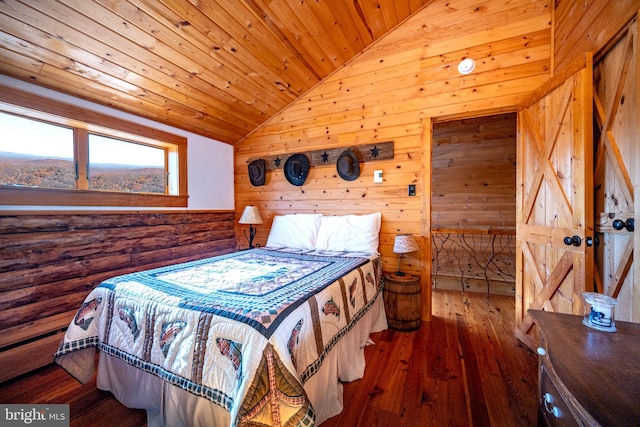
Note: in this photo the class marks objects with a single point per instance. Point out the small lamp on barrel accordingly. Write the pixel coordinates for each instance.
(404, 244)
(250, 216)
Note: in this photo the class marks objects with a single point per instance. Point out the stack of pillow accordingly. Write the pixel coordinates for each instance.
(342, 233)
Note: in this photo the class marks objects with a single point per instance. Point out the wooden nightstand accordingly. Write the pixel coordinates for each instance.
(403, 301)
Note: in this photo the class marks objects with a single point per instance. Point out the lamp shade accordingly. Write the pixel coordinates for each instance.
(251, 215)
(405, 243)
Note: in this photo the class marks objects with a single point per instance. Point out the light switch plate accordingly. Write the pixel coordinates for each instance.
(377, 176)
(412, 189)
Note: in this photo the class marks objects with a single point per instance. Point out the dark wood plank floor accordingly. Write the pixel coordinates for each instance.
(464, 368)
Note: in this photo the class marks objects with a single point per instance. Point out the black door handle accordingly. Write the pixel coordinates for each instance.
(619, 224)
(629, 225)
(575, 240)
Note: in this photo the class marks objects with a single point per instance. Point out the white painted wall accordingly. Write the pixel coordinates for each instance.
(210, 162)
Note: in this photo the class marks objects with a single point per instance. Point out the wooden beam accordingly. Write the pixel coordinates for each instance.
(329, 156)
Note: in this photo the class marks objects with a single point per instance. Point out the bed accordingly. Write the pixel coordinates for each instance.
(257, 337)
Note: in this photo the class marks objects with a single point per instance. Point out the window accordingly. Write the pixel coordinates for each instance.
(118, 165)
(70, 156)
(35, 154)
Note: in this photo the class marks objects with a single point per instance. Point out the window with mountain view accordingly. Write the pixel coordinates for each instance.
(39, 154)
(35, 153)
(70, 156)
(118, 165)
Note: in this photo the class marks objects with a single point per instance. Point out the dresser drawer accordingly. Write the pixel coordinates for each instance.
(553, 408)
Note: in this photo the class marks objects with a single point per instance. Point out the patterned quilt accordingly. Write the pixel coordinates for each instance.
(243, 330)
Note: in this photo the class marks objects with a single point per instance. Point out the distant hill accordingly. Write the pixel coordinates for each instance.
(8, 156)
(60, 173)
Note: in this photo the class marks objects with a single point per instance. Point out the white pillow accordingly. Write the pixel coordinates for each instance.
(349, 233)
(298, 231)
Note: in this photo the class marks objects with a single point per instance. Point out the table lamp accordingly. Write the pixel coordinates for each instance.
(404, 244)
(250, 216)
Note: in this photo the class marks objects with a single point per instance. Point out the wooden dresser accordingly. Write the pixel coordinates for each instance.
(587, 377)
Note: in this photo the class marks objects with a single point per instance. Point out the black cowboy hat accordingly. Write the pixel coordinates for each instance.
(257, 172)
(296, 169)
(348, 165)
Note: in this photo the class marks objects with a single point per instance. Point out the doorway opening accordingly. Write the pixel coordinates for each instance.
(473, 204)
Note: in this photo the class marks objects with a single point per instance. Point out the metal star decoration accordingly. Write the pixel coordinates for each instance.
(277, 161)
(374, 151)
(325, 157)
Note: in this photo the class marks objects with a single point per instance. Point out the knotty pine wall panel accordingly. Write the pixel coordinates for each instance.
(473, 203)
(386, 94)
(50, 262)
(587, 26)
(473, 166)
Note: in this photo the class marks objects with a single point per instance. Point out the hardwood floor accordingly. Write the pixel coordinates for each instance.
(464, 368)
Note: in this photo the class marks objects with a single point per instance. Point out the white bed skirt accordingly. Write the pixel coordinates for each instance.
(168, 405)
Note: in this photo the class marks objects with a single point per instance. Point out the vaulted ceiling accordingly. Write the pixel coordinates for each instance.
(218, 68)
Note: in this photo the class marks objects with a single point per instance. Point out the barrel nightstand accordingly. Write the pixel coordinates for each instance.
(403, 301)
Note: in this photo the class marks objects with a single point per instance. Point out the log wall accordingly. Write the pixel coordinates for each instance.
(49, 263)
(391, 92)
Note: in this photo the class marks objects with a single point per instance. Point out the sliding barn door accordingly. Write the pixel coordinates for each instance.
(616, 173)
(554, 251)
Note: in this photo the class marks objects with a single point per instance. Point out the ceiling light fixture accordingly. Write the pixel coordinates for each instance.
(466, 66)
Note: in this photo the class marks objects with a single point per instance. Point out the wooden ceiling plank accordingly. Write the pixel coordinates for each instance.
(41, 45)
(164, 110)
(330, 25)
(390, 17)
(225, 46)
(62, 37)
(256, 84)
(10, 61)
(224, 60)
(290, 59)
(401, 11)
(229, 81)
(129, 35)
(371, 13)
(53, 78)
(118, 82)
(293, 24)
(261, 8)
(355, 32)
(264, 50)
(364, 33)
(416, 5)
(89, 18)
